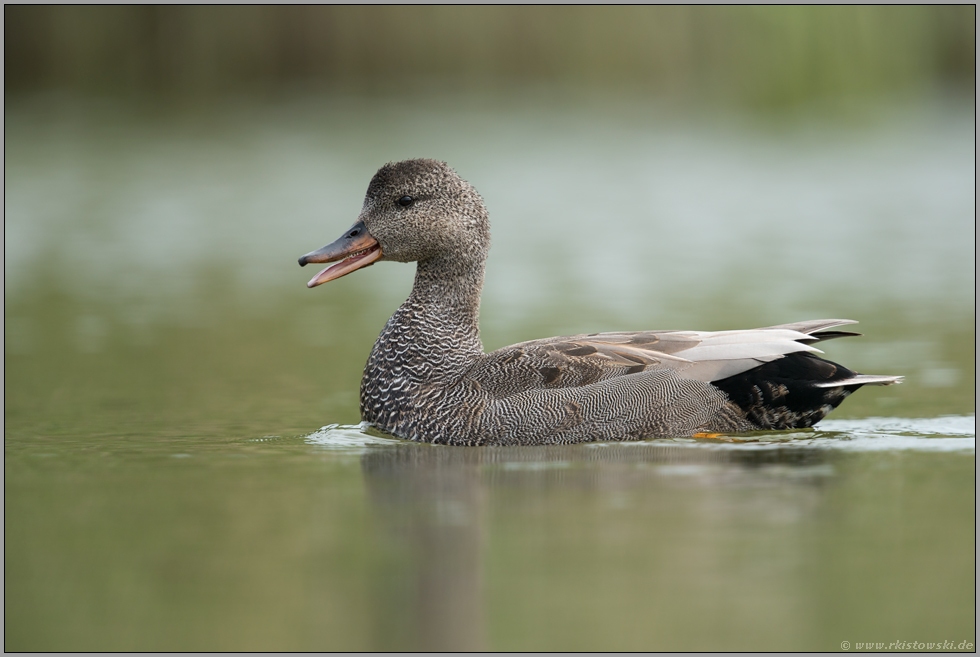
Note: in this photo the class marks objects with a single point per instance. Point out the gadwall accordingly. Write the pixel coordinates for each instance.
(427, 378)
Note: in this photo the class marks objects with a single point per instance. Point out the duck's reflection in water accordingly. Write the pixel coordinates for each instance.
(429, 503)
(434, 505)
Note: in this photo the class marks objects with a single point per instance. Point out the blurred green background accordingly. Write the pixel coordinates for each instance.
(644, 167)
(762, 57)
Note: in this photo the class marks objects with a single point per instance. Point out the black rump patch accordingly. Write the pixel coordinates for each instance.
(782, 394)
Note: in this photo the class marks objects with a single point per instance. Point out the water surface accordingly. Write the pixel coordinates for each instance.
(166, 372)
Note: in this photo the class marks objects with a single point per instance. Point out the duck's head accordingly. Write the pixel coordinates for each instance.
(416, 210)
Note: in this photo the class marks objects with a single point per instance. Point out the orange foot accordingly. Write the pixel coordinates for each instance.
(721, 436)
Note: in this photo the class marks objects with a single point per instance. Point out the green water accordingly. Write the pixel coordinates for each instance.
(168, 485)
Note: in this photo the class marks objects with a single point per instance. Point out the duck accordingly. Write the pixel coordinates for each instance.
(428, 379)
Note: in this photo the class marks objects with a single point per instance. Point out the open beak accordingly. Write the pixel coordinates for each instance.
(355, 249)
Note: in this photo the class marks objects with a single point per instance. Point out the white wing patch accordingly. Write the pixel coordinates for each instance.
(721, 354)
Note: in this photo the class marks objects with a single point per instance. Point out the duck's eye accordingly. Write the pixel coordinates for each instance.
(406, 201)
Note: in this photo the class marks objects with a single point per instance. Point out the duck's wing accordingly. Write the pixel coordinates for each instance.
(696, 355)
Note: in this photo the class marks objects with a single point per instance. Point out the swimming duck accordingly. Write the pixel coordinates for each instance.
(428, 379)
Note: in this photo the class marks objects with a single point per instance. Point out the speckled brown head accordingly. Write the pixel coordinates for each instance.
(416, 210)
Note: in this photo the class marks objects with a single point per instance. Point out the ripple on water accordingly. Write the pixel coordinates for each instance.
(348, 438)
(951, 433)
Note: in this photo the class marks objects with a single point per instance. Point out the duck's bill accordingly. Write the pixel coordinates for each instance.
(355, 250)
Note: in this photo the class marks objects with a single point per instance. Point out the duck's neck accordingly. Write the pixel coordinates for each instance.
(447, 293)
(442, 314)
(433, 337)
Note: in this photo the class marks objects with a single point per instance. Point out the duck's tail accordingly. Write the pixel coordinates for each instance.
(859, 380)
(799, 389)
